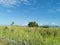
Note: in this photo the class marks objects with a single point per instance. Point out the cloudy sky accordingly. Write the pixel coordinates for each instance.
(24, 11)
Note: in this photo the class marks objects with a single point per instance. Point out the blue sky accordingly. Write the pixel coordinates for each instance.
(24, 11)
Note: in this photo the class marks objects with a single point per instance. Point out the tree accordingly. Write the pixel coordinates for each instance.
(32, 24)
(12, 23)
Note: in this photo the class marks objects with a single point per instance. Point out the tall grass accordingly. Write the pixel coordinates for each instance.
(14, 35)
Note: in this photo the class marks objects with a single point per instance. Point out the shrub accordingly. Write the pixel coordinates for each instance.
(6, 27)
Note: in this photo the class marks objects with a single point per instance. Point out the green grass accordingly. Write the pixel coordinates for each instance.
(15, 35)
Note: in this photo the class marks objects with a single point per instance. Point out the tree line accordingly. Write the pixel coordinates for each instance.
(33, 24)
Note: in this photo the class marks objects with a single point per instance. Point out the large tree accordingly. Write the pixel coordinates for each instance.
(32, 24)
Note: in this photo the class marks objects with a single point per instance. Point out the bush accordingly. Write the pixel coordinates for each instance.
(5, 27)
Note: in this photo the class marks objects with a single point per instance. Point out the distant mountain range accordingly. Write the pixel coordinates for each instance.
(55, 26)
(52, 26)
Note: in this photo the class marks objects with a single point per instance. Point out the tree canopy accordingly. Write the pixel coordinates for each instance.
(32, 24)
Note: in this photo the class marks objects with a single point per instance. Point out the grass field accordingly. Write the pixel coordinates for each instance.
(16, 35)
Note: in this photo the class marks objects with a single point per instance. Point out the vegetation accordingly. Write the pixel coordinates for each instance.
(32, 24)
(12, 23)
(44, 26)
(29, 36)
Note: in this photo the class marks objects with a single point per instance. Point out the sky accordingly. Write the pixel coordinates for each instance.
(24, 11)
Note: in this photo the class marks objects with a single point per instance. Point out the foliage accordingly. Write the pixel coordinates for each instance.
(12, 23)
(32, 24)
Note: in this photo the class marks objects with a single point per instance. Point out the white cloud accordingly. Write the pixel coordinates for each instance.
(29, 2)
(41, 24)
(25, 1)
(12, 3)
(53, 23)
(8, 3)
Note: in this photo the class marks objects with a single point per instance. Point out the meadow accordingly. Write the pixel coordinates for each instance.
(18, 35)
